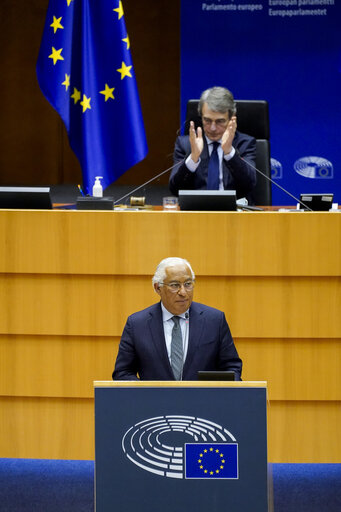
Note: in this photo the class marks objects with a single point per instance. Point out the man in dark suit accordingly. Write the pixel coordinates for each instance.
(235, 150)
(174, 339)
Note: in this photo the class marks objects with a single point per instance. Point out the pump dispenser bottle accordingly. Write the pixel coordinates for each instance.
(97, 189)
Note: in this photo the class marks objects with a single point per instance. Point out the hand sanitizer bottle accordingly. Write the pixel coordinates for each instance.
(97, 189)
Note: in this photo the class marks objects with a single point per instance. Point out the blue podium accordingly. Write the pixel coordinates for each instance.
(180, 446)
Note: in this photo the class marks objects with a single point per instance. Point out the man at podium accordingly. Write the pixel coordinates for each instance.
(175, 338)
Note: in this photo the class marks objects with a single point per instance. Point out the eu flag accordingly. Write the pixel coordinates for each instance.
(85, 70)
(211, 460)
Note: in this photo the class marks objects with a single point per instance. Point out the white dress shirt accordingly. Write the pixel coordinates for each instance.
(192, 166)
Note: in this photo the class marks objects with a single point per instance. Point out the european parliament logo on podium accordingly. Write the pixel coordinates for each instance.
(159, 445)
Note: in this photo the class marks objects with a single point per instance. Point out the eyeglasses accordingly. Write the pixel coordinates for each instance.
(218, 122)
(175, 287)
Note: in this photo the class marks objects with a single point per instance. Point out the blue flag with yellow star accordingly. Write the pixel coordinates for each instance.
(211, 460)
(85, 70)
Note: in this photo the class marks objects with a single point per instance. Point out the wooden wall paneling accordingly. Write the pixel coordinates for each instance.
(304, 432)
(294, 368)
(85, 242)
(55, 366)
(47, 428)
(66, 366)
(99, 305)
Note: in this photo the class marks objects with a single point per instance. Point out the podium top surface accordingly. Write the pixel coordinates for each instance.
(178, 384)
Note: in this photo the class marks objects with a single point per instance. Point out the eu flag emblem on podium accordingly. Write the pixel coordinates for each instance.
(212, 461)
(86, 72)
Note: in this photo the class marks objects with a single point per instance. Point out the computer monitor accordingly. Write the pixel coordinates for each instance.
(25, 198)
(317, 202)
(208, 200)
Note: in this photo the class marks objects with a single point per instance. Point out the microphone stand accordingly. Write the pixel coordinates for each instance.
(149, 181)
(242, 206)
(277, 185)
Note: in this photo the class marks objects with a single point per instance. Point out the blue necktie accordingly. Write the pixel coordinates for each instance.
(213, 168)
(177, 351)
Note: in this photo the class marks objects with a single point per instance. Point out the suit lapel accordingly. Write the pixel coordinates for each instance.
(227, 177)
(196, 329)
(155, 325)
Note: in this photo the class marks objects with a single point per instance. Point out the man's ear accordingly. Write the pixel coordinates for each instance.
(157, 288)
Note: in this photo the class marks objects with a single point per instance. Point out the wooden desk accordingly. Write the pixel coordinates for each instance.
(69, 279)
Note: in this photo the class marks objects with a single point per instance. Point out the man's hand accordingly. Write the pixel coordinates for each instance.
(196, 140)
(228, 135)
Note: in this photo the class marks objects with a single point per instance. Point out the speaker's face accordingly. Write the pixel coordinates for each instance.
(179, 299)
(214, 123)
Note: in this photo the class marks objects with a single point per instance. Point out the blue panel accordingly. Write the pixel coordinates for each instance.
(211, 460)
(289, 55)
(145, 439)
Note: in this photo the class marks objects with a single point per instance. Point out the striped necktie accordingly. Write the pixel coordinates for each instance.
(177, 350)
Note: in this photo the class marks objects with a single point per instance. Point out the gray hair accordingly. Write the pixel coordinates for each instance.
(218, 99)
(160, 273)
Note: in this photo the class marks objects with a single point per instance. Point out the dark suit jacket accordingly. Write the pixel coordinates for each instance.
(143, 349)
(237, 174)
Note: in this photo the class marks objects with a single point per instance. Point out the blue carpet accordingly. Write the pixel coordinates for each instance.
(29, 485)
(307, 487)
(32, 485)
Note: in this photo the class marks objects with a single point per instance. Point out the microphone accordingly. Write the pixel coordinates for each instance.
(149, 181)
(186, 315)
(155, 177)
(274, 183)
(243, 207)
